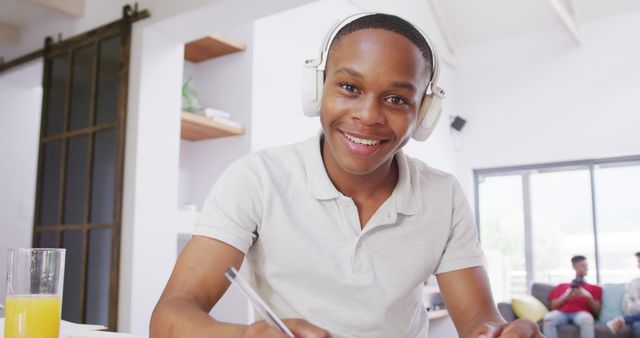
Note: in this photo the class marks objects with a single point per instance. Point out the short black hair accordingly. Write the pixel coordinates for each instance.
(638, 254)
(389, 23)
(577, 258)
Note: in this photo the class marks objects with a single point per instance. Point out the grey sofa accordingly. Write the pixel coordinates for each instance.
(541, 292)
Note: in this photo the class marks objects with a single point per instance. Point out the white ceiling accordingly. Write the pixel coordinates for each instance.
(22, 13)
(472, 21)
(466, 21)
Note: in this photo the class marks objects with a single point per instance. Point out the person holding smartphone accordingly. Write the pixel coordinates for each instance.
(575, 303)
(341, 230)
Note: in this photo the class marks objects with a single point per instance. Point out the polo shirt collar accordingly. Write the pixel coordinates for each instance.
(321, 186)
(323, 189)
(405, 196)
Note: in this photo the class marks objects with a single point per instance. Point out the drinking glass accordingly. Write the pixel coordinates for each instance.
(34, 293)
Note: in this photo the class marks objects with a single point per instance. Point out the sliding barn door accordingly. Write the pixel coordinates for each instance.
(80, 165)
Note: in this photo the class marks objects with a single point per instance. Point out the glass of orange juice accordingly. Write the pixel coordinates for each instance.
(34, 293)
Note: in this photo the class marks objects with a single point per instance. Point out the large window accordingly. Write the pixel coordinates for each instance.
(535, 218)
(618, 199)
(502, 227)
(561, 224)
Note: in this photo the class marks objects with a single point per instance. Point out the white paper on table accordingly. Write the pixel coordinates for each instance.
(97, 334)
(65, 325)
(74, 330)
(71, 326)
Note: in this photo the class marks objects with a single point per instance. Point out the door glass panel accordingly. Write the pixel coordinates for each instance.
(56, 95)
(50, 183)
(618, 192)
(81, 87)
(502, 232)
(108, 80)
(562, 224)
(76, 180)
(72, 241)
(80, 162)
(97, 310)
(47, 239)
(103, 177)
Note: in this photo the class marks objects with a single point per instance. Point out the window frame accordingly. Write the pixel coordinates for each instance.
(525, 171)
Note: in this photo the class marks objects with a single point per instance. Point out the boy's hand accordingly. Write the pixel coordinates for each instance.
(519, 328)
(585, 293)
(300, 328)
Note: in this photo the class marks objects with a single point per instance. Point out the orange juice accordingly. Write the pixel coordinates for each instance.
(32, 316)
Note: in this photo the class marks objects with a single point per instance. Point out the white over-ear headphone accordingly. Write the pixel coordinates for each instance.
(313, 82)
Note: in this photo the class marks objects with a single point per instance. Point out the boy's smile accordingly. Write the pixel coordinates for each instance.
(361, 144)
(374, 83)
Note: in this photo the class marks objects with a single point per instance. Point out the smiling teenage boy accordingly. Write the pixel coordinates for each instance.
(340, 231)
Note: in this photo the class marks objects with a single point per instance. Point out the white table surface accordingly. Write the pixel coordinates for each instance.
(73, 330)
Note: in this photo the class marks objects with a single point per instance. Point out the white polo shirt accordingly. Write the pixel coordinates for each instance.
(308, 256)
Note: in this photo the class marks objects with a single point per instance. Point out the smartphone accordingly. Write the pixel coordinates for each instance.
(257, 302)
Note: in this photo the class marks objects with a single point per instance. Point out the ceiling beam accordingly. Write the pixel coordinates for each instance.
(74, 8)
(9, 33)
(568, 18)
(441, 21)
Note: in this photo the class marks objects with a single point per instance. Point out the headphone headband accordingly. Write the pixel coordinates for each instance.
(435, 67)
(313, 82)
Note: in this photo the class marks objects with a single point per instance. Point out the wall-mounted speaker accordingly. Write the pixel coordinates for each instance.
(458, 123)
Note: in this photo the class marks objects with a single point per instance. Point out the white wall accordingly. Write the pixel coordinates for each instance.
(541, 98)
(223, 83)
(282, 42)
(151, 176)
(20, 104)
(97, 12)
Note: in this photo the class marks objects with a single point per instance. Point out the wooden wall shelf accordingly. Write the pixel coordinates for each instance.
(195, 127)
(210, 47)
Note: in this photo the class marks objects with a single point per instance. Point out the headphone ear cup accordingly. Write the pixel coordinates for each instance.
(312, 84)
(430, 110)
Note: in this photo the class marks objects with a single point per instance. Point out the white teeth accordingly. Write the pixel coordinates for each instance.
(362, 140)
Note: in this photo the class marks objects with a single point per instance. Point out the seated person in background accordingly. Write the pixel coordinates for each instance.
(577, 302)
(630, 307)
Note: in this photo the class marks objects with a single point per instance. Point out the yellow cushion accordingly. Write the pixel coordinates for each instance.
(528, 307)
